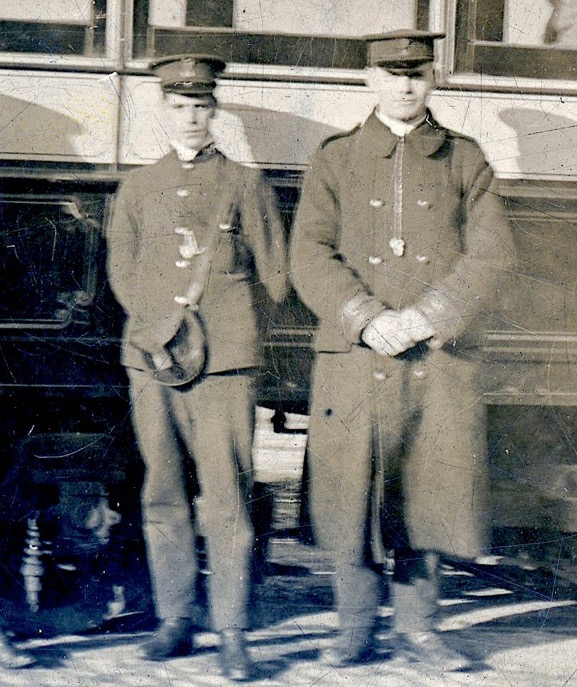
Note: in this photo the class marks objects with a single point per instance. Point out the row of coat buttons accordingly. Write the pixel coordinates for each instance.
(188, 249)
(378, 259)
(418, 373)
(421, 202)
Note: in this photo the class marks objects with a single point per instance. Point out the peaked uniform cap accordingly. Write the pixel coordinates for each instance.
(405, 47)
(189, 74)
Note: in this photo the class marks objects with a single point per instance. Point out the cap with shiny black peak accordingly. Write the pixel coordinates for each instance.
(404, 48)
(188, 74)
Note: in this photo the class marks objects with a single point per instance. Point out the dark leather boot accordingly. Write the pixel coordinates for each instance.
(10, 657)
(174, 637)
(234, 660)
(352, 645)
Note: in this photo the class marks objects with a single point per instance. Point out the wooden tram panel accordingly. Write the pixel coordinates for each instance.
(61, 370)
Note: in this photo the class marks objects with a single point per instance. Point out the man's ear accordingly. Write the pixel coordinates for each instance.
(371, 76)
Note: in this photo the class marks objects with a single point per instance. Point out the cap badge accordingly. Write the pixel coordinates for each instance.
(188, 68)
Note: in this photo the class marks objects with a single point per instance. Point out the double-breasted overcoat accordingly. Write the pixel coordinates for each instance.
(397, 444)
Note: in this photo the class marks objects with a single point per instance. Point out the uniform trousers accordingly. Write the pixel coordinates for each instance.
(397, 460)
(196, 444)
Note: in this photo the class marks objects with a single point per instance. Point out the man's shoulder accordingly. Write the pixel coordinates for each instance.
(457, 138)
(239, 168)
(461, 139)
(248, 177)
(147, 173)
(341, 139)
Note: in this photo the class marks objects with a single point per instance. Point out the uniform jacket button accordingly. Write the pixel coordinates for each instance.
(182, 192)
(419, 373)
(376, 203)
(375, 259)
(423, 259)
(379, 375)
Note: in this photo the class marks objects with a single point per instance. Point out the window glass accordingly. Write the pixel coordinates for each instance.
(45, 261)
(65, 27)
(164, 27)
(516, 38)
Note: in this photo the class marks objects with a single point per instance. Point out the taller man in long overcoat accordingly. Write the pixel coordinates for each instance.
(195, 438)
(399, 247)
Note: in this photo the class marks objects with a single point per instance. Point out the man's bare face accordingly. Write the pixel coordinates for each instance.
(401, 95)
(188, 118)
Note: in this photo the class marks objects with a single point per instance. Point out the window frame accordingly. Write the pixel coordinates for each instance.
(110, 38)
(264, 55)
(469, 62)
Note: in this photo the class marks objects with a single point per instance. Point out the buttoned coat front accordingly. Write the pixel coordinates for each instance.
(153, 207)
(413, 424)
(196, 439)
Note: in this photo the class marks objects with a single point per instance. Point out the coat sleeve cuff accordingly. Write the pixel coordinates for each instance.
(443, 316)
(152, 338)
(357, 313)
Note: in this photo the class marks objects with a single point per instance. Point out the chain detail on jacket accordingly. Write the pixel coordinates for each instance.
(397, 244)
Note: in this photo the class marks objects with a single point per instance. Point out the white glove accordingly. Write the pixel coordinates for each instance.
(385, 335)
(416, 324)
(391, 333)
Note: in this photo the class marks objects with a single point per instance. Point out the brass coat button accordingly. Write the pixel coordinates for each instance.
(419, 373)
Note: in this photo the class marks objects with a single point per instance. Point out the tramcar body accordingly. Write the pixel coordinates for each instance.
(78, 109)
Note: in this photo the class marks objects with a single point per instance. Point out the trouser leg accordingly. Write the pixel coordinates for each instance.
(167, 522)
(415, 591)
(357, 589)
(221, 442)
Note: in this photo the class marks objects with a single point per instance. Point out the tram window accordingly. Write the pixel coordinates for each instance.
(65, 27)
(152, 16)
(46, 260)
(516, 38)
(245, 31)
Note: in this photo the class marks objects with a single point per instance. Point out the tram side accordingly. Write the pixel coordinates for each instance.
(67, 137)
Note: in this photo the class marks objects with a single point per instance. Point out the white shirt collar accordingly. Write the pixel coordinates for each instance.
(186, 154)
(400, 129)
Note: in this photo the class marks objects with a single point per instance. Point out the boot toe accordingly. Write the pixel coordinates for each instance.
(174, 637)
(12, 658)
(234, 658)
(429, 648)
(351, 647)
